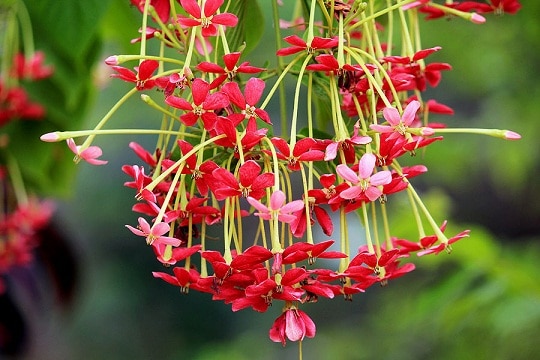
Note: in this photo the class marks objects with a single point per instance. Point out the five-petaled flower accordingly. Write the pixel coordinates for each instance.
(366, 183)
(277, 208)
(203, 105)
(142, 78)
(206, 17)
(401, 125)
(154, 234)
(89, 154)
(230, 70)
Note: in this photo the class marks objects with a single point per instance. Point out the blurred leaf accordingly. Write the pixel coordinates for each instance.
(68, 33)
(250, 26)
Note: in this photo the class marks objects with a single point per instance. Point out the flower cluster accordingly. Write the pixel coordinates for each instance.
(220, 169)
(21, 215)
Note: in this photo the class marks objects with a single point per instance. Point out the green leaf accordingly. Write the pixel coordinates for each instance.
(250, 26)
(69, 25)
(68, 34)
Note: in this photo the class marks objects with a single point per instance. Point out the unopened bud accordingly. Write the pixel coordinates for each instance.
(112, 60)
(50, 137)
(511, 135)
(477, 19)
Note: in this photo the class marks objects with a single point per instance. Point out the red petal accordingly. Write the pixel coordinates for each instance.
(147, 68)
(231, 59)
(192, 8)
(253, 90)
(199, 89)
(225, 19)
(211, 6)
(248, 172)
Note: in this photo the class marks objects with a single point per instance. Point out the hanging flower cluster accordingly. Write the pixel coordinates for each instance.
(253, 216)
(22, 215)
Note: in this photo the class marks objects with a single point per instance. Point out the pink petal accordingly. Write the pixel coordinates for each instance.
(392, 115)
(143, 225)
(308, 324)
(277, 199)
(350, 193)
(160, 229)
(381, 178)
(293, 206)
(72, 146)
(373, 193)
(366, 165)
(135, 231)
(381, 128)
(257, 205)
(210, 67)
(216, 101)
(295, 328)
(347, 174)
(331, 151)
(410, 112)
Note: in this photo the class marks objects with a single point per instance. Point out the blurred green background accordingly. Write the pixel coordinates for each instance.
(480, 302)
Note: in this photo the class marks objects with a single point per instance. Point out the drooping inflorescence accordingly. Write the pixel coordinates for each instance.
(222, 170)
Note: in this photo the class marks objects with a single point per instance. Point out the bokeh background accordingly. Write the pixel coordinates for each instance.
(480, 302)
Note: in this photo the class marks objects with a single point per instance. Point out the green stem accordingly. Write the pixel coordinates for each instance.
(107, 116)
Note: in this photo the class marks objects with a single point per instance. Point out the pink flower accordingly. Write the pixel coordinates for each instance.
(90, 154)
(400, 125)
(278, 209)
(366, 182)
(154, 234)
(293, 324)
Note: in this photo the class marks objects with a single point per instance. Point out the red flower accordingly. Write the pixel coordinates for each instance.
(184, 279)
(139, 183)
(293, 324)
(203, 104)
(229, 71)
(328, 63)
(31, 68)
(446, 246)
(301, 251)
(303, 151)
(298, 45)
(142, 78)
(207, 19)
(162, 7)
(250, 181)
(253, 90)
(505, 6)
